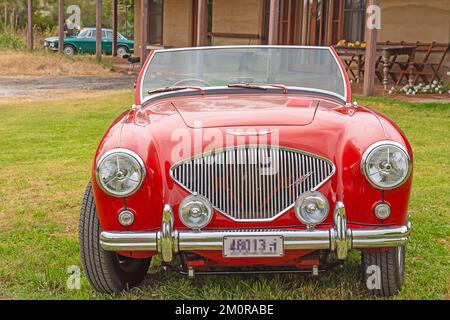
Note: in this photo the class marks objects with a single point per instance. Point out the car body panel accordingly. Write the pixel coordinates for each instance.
(222, 111)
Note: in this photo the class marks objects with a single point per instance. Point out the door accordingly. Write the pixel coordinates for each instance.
(318, 16)
(107, 37)
(86, 42)
(288, 22)
(305, 22)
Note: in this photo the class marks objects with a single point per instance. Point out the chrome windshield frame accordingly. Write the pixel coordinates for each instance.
(344, 98)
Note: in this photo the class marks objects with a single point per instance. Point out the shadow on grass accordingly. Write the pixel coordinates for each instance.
(339, 283)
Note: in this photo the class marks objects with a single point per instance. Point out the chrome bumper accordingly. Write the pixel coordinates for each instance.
(339, 239)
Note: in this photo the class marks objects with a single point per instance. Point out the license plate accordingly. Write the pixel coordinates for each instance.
(253, 246)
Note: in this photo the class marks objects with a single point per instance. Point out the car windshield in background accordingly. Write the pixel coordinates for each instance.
(84, 33)
(306, 68)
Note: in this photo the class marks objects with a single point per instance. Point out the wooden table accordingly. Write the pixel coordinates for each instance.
(385, 52)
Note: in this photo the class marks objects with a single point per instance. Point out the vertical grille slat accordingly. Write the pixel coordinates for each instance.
(252, 182)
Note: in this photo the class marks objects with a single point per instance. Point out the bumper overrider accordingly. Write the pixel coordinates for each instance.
(339, 239)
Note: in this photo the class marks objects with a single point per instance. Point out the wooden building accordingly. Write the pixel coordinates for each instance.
(185, 23)
(175, 23)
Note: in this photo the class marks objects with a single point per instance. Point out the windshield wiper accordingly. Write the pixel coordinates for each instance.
(257, 86)
(175, 88)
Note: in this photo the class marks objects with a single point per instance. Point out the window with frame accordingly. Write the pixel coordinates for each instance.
(107, 34)
(354, 20)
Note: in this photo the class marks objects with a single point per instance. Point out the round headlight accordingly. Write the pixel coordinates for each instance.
(195, 212)
(386, 165)
(311, 208)
(120, 172)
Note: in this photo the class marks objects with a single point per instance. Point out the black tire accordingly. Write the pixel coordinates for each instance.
(391, 267)
(107, 271)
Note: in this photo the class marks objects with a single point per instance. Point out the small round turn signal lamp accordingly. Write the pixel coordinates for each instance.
(382, 211)
(195, 212)
(126, 218)
(311, 208)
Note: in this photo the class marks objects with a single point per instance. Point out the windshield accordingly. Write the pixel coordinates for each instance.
(307, 68)
(84, 33)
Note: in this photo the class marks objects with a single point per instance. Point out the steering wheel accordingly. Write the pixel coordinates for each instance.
(190, 80)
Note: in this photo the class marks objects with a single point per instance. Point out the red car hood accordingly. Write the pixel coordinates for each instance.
(243, 110)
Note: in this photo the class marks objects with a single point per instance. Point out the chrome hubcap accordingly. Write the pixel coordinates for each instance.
(121, 52)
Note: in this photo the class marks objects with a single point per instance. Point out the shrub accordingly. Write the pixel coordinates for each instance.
(11, 41)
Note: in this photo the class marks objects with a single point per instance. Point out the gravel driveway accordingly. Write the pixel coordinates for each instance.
(25, 86)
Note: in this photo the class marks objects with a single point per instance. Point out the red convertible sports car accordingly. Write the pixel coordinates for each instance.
(247, 159)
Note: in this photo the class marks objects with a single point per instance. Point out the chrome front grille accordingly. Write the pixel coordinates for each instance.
(252, 182)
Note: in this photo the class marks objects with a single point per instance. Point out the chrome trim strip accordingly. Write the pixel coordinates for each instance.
(309, 90)
(129, 241)
(229, 210)
(339, 239)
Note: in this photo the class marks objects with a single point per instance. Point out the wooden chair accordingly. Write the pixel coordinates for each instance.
(432, 56)
(432, 62)
(349, 61)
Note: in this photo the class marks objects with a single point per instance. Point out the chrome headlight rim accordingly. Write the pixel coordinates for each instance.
(204, 201)
(373, 147)
(302, 198)
(129, 153)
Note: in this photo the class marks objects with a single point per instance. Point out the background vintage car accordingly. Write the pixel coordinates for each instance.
(85, 42)
(323, 201)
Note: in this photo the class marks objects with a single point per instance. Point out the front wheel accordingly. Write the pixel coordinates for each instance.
(69, 50)
(383, 271)
(107, 271)
(122, 51)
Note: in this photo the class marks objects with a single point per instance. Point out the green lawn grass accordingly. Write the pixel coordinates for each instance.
(47, 149)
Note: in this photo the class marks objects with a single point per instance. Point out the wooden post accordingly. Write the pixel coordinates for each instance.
(30, 25)
(201, 8)
(371, 56)
(313, 22)
(114, 27)
(61, 26)
(341, 21)
(144, 30)
(98, 27)
(329, 32)
(274, 21)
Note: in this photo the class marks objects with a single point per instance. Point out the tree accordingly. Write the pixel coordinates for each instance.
(13, 14)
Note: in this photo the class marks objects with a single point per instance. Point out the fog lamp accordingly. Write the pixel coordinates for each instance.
(195, 212)
(126, 218)
(311, 208)
(382, 211)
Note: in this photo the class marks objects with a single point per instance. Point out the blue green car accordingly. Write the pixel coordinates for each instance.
(85, 42)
